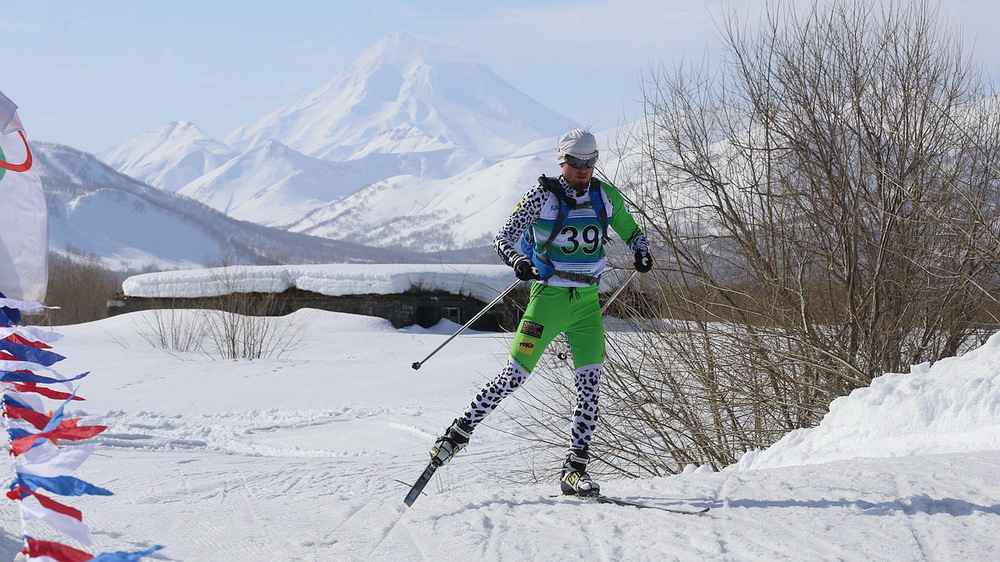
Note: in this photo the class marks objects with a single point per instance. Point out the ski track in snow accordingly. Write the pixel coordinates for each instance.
(297, 459)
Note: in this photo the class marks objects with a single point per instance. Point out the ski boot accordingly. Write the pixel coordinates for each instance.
(574, 479)
(455, 438)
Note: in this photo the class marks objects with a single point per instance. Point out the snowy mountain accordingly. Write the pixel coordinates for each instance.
(409, 96)
(433, 214)
(462, 211)
(168, 157)
(94, 210)
(274, 185)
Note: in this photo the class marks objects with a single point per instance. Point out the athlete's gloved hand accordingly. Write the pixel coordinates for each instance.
(525, 270)
(643, 261)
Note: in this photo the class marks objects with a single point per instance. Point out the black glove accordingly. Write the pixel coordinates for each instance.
(643, 261)
(525, 270)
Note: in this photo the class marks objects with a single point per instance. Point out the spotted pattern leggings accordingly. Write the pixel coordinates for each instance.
(588, 381)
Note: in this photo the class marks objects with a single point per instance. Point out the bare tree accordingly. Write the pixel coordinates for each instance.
(79, 288)
(824, 206)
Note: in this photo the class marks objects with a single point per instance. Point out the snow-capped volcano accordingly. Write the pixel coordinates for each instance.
(414, 145)
(409, 96)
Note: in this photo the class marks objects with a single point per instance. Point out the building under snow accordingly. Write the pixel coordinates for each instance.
(405, 294)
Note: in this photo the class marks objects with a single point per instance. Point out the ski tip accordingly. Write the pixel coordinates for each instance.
(411, 497)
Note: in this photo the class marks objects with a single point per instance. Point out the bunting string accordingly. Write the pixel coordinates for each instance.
(45, 446)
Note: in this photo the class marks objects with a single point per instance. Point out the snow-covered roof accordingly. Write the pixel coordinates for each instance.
(483, 282)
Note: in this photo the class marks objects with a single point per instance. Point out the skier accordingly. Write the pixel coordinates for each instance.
(560, 226)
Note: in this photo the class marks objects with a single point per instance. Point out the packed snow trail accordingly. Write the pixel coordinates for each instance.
(295, 459)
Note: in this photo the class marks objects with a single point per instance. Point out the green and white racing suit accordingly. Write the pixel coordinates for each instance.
(567, 301)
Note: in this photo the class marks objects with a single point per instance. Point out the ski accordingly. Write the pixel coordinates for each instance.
(432, 466)
(600, 498)
(418, 487)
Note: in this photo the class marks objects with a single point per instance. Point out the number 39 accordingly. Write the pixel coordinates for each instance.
(591, 239)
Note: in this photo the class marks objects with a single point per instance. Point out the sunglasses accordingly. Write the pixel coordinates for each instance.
(577, 162)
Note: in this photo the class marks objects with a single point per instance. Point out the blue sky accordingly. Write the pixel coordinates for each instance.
(97, 73)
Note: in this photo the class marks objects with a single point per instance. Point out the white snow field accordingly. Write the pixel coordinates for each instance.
(297, 458)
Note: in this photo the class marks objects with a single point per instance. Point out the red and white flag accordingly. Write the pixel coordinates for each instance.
(24, 238)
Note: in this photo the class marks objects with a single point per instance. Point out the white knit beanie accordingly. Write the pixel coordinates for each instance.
(578, 143)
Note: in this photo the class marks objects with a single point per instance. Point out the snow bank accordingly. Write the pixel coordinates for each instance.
(483, 282)
(950, 407)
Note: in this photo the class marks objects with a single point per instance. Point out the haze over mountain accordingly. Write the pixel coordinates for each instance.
(411, 145)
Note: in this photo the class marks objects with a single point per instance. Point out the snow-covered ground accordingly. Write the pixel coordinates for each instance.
(298, 458)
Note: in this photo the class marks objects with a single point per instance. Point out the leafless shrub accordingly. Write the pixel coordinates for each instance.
(244, 323)
(174, 329)
(240, 323)
(823, 206)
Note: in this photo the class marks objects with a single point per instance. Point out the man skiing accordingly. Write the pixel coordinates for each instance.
(560, 227)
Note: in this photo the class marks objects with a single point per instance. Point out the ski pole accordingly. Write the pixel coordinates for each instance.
(618, 292)
(417, 364)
